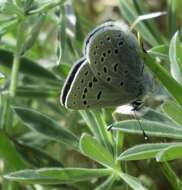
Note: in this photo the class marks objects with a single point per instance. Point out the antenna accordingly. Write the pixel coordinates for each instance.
(143, 132)
(136, 106)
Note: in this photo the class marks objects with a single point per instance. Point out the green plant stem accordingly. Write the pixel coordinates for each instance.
(171, 176)
(171, 18)
(46, 7)
(12, 91)
(14, 76)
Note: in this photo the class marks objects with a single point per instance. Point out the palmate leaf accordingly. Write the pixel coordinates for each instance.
(151, 128)
(153, 115)
(35, 156)
(32, 37)
(91, 148)
(160, 51)
(56, 175)
(171, 152)
(8, 153)
(27, 66)
(150, 24)
(173, 110)
(37, 92)
(107, 184)
(46, 126)
(130, 15)
(175, 54)
(133, 182)
(143, 151)
(97, 125)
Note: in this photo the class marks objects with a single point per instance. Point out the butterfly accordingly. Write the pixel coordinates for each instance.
(110, 73)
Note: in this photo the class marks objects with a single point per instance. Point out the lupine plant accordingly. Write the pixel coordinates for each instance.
(45, 146)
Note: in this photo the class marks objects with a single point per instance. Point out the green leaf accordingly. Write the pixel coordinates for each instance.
(143, 151)
(145, 17)
(173, 111)
(91, 122)
(31, 38)
(35, 156)
(169, 82)
(133, 182)
(44, 125)
(105, 135)
(26, 66)
(107, 184)
(9, 7)
(176, 64)
(45, 6)
(7, 25)
(91, 148)
(37, 92)
(151, 128)
(171, 176)
(160, 51)
(61, 41)
(97, 126)
(130, 15)
(62, 70)
(172, 25)
(150, 24)
(171, 152)
(153, 115)
(56, 176)
(9, 154)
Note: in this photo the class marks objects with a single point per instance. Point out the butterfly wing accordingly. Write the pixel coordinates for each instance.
(84, 90)
(113, 58)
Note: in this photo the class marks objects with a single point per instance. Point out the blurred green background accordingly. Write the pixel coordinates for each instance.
(44, 146)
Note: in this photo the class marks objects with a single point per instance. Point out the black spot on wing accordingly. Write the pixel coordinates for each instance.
(99, 95)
